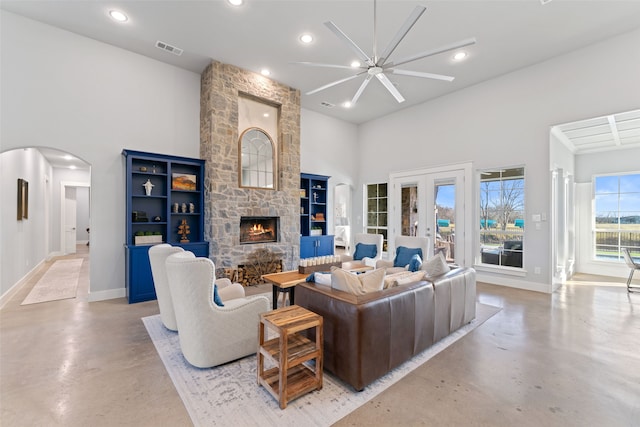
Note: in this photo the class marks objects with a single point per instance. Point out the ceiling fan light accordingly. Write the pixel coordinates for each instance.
(306, 38)
(460, 56)
(347, 104)
(355, 64)
(116, 15)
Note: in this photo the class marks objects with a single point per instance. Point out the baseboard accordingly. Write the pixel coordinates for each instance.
(108, 294)
(512, 282)
(18, 285)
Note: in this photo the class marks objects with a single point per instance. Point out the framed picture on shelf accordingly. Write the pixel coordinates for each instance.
(23, 199)
(183, 181)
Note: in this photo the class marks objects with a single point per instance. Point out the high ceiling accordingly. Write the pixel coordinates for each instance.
(264, 33)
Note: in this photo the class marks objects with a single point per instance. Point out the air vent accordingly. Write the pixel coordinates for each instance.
(327, 104)
(167, 47)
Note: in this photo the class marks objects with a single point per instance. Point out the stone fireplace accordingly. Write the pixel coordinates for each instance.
(258, 229)
(226, 201)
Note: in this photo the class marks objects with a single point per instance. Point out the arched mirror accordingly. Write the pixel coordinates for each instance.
(257, 160)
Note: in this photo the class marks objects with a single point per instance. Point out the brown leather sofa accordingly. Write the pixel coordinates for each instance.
(365, 336)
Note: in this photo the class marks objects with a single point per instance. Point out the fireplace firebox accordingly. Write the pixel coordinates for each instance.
(258, 229)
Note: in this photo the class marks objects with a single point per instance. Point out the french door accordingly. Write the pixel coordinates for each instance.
(431, 203)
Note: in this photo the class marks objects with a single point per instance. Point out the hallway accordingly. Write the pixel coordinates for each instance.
(566, 359)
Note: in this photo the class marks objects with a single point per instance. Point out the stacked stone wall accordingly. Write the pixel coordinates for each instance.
(225, 200)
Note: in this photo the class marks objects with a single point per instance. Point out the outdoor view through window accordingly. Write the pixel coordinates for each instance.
(502, 217)
(616, 216)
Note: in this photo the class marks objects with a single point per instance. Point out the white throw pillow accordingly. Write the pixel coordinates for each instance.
(322, 278)
(436, 265)
(357, 284)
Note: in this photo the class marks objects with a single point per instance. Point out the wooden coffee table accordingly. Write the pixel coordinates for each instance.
(284, 282)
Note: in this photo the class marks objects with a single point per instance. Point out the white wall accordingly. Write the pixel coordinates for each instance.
(588, 165)
(504, 122)
(91, 99)
(23, 244)
(329, 146)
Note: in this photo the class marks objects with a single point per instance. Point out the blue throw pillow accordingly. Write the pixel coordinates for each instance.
(216, 297)
(415, 263)
(364, 250)
(403, 255)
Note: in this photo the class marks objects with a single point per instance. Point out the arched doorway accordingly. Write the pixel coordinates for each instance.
(30, 243)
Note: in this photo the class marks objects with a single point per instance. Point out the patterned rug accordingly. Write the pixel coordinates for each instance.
(229, 394)
(59, 282)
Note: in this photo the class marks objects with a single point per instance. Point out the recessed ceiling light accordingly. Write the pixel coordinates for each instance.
(346, 104)
(265, 115)
(68, 157)
(235, 2)
(118, 16)
(72, 167)
(460, 56)
(355, 64)
(306, 38)
(265, 72)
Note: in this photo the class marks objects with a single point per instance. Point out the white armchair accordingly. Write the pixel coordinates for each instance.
(157, 256)
(407, 242)
(367, 239)
(210, 335)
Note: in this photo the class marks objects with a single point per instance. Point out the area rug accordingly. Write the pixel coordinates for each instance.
(229, 394)
(59, 282)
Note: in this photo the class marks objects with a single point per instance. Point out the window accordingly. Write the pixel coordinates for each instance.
(377, 211)
(502, 217)
(616, 216)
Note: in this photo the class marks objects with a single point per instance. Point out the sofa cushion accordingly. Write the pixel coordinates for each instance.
(404, 254)
(415, 263)
(365, 250)
(357, 284)
(436, 265)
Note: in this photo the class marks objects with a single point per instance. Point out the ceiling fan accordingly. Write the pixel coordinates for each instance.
(380, 66)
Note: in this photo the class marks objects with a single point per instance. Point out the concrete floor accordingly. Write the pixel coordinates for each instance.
(566, 359)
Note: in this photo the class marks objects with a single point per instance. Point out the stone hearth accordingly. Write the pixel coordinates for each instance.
(225, 201)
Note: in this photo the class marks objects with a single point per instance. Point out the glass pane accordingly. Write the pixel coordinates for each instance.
(382, 219)
(382, 204)
(630, 239)
(606, 209)
(372, 219)
(606, 184)
(372, 205)
(630, 183)
(372, 190)
(382, 190)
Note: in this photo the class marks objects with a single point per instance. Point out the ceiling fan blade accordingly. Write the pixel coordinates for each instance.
(390, 87)
(318, 64)
(420, 74)
(445, 48)
(354, 47)
(408, 24)
(337, 82)
(361, 89)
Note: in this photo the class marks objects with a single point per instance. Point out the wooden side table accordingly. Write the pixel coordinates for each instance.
(284, 282)
(291, 377)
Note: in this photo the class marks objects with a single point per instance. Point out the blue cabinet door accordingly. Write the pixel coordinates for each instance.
(308, 246)
(138, 275)
(324, 246)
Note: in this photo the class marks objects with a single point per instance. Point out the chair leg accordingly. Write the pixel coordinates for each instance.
(629, 287)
